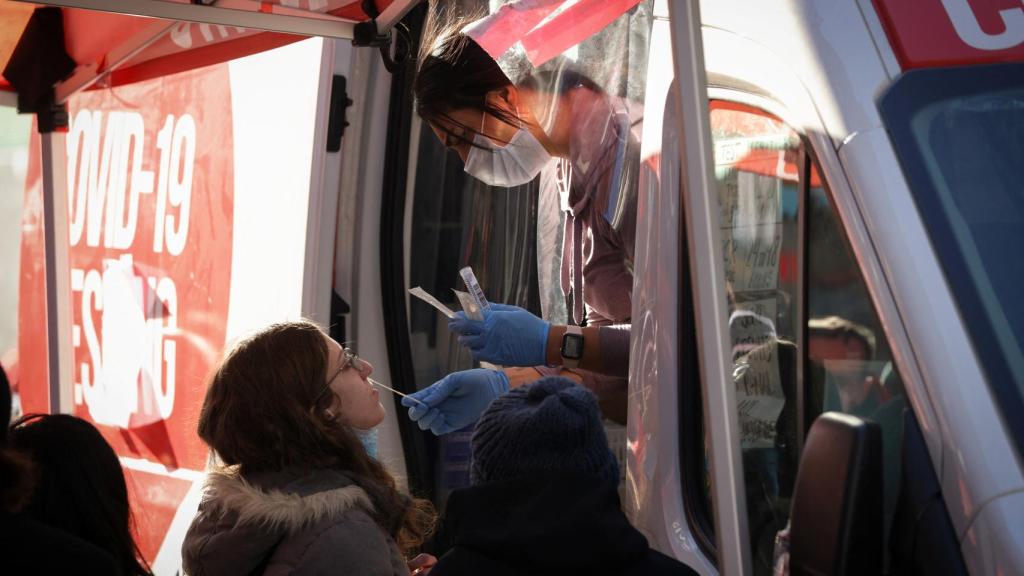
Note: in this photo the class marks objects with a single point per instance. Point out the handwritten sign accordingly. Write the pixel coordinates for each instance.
(751, 231)
(759, 395)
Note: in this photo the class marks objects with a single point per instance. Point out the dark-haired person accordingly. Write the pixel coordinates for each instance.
(28, 546)
(298, 493)
(544, 499)
(584, 148)
(79, 485)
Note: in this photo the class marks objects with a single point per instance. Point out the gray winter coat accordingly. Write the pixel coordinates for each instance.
(301, 523)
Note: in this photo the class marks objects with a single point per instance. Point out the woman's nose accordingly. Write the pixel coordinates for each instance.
(366, 369)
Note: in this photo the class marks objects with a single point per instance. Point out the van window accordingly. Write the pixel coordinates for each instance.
(767, 184)
(849, 365)
(757, 171)
(959, 136)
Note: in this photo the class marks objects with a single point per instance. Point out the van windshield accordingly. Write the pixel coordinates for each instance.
(959, 135)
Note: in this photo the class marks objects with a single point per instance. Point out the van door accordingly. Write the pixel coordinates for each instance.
(684, 479)
(775, 322)
(802, 333)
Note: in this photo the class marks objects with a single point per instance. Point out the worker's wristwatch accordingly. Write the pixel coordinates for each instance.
(572, 346)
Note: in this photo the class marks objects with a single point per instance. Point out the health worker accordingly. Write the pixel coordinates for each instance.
(561, 126)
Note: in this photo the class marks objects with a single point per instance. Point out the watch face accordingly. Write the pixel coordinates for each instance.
(572, 346)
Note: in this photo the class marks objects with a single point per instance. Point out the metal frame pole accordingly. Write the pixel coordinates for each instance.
(700, 202)
(244, 13)
(58, 281)
(86, 76)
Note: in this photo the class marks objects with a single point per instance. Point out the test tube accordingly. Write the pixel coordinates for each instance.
(474, 288)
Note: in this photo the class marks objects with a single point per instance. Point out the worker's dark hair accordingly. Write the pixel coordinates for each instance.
(454, 73)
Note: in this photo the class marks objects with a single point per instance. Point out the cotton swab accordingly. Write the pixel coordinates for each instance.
(390, 389)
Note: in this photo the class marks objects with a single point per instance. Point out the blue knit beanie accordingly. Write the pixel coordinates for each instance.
(547, 427)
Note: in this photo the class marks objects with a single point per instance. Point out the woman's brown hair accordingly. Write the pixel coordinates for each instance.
(264, 412)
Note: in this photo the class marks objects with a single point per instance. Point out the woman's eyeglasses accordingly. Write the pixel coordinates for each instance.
(349, 360)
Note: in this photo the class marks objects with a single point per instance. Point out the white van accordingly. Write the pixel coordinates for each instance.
(830, 227)
(871, 266)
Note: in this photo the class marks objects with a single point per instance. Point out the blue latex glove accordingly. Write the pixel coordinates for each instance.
(508, 336)
(456, 400)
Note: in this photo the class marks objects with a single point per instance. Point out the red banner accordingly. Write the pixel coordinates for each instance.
(546, 28)
(151, 197)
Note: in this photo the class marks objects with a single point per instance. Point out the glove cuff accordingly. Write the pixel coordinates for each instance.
(542, 352)
(499, 383)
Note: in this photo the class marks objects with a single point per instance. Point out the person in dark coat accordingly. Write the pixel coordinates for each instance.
(28, 546)
(79, 485)
(544, 498)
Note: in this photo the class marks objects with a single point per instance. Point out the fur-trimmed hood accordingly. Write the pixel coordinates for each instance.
(248, 525)
(301, 502)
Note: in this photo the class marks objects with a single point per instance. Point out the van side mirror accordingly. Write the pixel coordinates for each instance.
(836, 519)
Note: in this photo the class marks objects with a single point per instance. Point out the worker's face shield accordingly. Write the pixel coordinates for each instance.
(579, 71)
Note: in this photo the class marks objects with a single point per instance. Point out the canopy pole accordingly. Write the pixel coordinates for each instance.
(52, 130)
(86, 76)
(244, 13)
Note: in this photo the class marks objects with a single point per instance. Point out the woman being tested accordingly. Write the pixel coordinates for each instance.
(564, 128)
(298, 492)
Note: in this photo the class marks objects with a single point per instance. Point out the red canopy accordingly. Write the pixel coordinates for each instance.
(153, 47)
(546, 28)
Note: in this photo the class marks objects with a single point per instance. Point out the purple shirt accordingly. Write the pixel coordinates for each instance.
(597, 187)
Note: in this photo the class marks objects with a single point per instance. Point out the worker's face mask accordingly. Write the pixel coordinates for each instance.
(514, 164)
